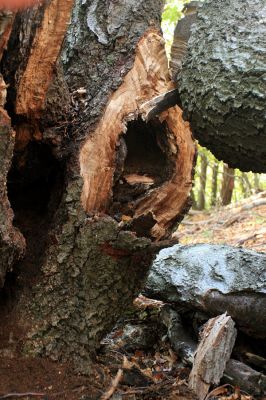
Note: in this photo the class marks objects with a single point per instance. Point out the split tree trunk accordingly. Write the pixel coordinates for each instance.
(92, 185)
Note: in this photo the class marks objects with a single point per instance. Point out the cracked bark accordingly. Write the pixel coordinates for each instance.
(221, 85)
(78, 75)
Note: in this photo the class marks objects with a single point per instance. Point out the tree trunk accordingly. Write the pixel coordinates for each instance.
(221, 86)
(248, 184)
(215, 169)
(90, 179)
(203, 181)
(257, 183)
(227, 185)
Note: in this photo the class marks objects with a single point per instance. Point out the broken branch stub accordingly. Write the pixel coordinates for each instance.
(213, 352)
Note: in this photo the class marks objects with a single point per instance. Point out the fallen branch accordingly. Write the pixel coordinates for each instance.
(115, 383)
(28, 394)
(250, 236)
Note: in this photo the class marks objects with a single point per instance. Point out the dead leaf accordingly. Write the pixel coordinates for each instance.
(218, 391)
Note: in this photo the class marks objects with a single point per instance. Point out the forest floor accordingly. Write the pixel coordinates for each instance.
(241, 224)
(155, 374)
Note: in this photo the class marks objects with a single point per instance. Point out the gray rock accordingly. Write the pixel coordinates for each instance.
(214, 279)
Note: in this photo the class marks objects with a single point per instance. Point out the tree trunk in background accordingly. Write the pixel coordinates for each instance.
(193, 199)
(203, 181)
(224, 70)
(257, 183)
(227, 185)
(248, 184)
(215, 169)
(92, 186)
(243, 186)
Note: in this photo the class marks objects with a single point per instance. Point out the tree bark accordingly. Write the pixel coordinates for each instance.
(12, 243)
(227, 185)
(215, 169)
(221, 86)
(203, 181)
(90, 179)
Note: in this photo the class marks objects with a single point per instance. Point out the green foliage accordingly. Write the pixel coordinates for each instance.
(171, 14)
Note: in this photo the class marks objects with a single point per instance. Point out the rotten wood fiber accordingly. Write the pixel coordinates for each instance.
(33, 87)
(161, 205)
(213, 352)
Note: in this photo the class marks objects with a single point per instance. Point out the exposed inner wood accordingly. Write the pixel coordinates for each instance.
(33, 86)
(162, 150)
(213, 352)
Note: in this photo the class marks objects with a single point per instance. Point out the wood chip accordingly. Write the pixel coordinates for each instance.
(214, 350)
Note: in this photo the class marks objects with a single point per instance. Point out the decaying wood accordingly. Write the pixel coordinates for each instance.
(236, 373)
(240, 374)
(213, 352)
(158, 104)
(32, 89)
(90, 177)
(164, 202)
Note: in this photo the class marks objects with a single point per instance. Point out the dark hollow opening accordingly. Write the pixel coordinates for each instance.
(147, 150)
(31, 180)
(143, 162)
(35, 183)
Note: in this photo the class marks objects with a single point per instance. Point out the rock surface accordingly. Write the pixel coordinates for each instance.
(214, 279)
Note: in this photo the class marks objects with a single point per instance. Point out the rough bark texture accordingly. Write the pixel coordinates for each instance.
(221, 85)
(247, 378)
(214, 350)
(227, 185)
(82, 282)
(213, 279)
(12, 243)
(78, 151)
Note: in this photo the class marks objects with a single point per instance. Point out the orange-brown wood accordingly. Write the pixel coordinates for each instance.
(37, 77)
(148, 78)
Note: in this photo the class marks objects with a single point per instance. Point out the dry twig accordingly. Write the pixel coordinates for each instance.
(107, 395)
